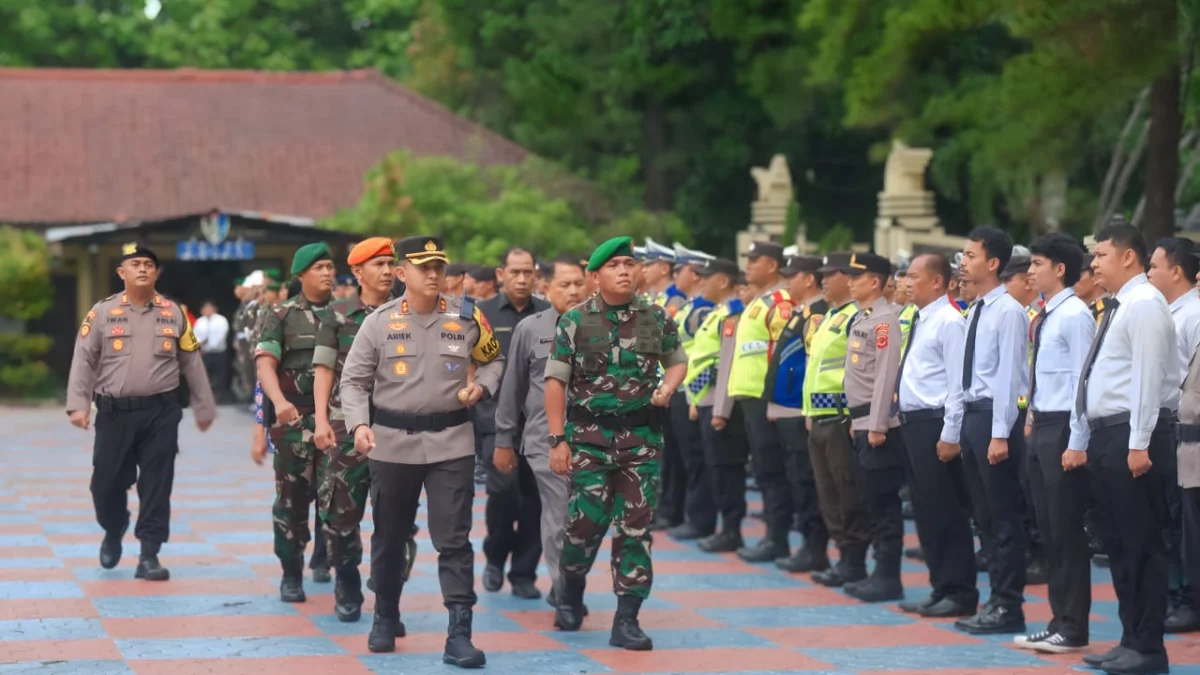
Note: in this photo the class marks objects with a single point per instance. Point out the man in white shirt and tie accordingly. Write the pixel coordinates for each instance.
(1173, 268)
(941, 507)
(1127, 377)
(995, 376)
(1058, 438)
(212, 332)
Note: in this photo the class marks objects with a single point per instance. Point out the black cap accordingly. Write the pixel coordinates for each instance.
(801, 263)
(719, 266)
(769, 249)
(456, 269)
(131, 251)
(835, 262)
(421, 249)
(482, 273)
(862, 263)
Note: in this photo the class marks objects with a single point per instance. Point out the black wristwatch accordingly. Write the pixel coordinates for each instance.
(554, 440)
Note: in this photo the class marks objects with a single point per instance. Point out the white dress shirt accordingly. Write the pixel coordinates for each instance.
(1001, 371)
(1130, 374)
(934, 358)
(1066, 337)
(1185, 313)
(211, 332)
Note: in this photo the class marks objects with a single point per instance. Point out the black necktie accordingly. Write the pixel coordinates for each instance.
(1110, 308)
(969, 352)
(912, 333)
(1039, 323)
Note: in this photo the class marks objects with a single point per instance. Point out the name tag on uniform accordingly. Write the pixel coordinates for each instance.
(546, 340)
(503, 329)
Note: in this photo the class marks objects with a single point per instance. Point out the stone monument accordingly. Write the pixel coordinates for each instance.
(768, 214)
(907, 222)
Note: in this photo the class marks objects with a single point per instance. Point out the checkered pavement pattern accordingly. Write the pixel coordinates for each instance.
(61, 614)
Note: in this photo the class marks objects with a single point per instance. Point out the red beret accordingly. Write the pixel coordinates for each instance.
(371, 248)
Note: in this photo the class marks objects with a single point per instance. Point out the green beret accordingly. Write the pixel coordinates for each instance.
(309, 254)
(273, 285)
(272, 273)
(617, 246)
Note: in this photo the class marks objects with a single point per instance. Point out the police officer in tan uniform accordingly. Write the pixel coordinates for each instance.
(872, 367)
(412, 360)
(130, 353)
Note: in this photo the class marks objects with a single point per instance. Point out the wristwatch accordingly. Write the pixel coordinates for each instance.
(554, 440)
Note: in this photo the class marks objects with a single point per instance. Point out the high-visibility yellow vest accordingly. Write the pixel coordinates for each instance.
(748, 372)
(906, 317)
(704, 354)
(824, 388)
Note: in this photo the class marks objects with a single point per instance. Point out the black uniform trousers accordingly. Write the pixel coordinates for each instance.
(841, 505)
(136, 442)
(1190, 517)
(725, 454)
(673, 496)
(770, 469)
(699, 508)
(450, 493)
(879, 473)
(513, 515)
(1060, 499)
(794, 434)
(941, 509)
(998, 502)
(1178, 578)
(1133, 515)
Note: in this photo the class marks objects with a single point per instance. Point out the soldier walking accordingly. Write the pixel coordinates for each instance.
(601, 380)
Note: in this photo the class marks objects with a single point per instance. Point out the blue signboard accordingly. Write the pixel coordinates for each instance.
(226, 250)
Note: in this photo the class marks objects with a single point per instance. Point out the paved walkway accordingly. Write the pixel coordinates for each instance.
(60, 613)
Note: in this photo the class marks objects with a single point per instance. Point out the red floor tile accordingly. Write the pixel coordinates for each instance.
(292, 665)
(1184, 652)
(704, 660)
(650, 619)
(759, 597)
(58, 650)
(62, 608)
(257, 548)
(434, 643)
(999, 670)
(838, 637)
(130, 542)
(322, 603)
(724, 566)
(20, 528)
(29, 551)
(211, 627)
(37, 574)
(137, 587)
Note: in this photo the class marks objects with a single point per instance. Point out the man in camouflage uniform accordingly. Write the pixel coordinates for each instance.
(243, 353)
(601, 380)
(284, 356)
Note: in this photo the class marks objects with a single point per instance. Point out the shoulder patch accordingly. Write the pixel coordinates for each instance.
(881, 336)
(729, 327)
(188, 341)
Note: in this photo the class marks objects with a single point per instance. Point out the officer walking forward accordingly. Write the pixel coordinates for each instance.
(130, 353)
(411, 359)
(600, 384)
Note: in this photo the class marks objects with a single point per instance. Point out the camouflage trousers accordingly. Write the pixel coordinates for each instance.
(342, 495)
(297, 472)
(618, 487)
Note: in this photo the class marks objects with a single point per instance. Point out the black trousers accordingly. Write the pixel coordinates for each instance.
(1133, 515)
(395, 491)
(999, 504)
(514, 516)
(699, 508)
(1190, 517)
(879, 473)
(1179, 581)
(942, 511)
(137, 446)
(725, 454)
(1060, 499)
(794, 435)
(673, 497)
(216, 364)
(770, 469)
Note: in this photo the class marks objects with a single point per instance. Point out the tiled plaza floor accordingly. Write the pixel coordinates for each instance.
(61, 614)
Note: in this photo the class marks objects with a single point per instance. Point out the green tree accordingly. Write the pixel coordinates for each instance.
(25, 293)
(70, 33)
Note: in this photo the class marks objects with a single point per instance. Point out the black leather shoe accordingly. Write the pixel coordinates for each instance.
(383, 635)
(493, 578)
(661, 523)
(1037, 573)
(347, 595)
(1182, 620)
(947, 608)
(525, 590)
(1133, 663)
(110, 548)
(687, 532)
(993, 621)
(626, 633)
(804, 560)
(766, 550)
(725, 541)
(914, 553)
(321, 575)
(459, 649)
(1098, 660)
(876, 589)
(838, 576)
(569, 612)
(149, 569)
(915, 606)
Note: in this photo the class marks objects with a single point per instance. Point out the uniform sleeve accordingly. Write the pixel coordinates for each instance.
(887, 343)
(1080, 330)
(270, 335)
(672, 348)
(513, 389)
(952, 341)
(562, 352)
(358, 374)
(85, 362)
(488, 355)
(722, 401)
(1013, 368)
(1152, 338)
(191, 366)
(696, 320)
(326, 352)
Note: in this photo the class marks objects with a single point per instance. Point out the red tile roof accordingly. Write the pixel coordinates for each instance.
(79, 146)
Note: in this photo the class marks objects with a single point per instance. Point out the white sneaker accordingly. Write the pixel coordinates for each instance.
(1057, 644)
(1028, 641)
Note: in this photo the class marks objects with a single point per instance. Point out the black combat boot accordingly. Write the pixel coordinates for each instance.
(110, 548)
(568, 615)
(148, 567)
(850, 568)
(883, 584)
(768, 549)
(347, 594)
(626, 633)
(812, 558)
(459, 650)
(725, 541)
(384, 632)
(291, 587)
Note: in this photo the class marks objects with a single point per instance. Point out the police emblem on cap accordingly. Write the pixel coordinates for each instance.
(128, 249)
(753, 246)
(825, 260)
(430, 246)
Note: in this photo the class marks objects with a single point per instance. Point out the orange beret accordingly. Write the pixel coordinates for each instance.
(371, 248)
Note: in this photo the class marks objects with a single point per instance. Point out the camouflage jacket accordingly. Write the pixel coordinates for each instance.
(608, 357)
(288, 331)
(339, 325)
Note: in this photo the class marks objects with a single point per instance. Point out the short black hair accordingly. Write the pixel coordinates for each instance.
(569, 260)
(996, 244)
(482, 273)
(508, 253)
(1061, 248)
(1087, 265)
(938, 265)
(1179, 253)
(1125, 237)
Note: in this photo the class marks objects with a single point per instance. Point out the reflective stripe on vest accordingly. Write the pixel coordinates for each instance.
(824, 389)
(906, 316)
(704, 354)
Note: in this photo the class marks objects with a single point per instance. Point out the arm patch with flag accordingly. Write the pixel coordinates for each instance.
(488, 347)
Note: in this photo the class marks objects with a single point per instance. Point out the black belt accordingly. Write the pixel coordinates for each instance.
(1189, 433)
(982, 405)
(131, 403)
(858, 411)
(1050, 417)
(418, 422)
(922, 415)
(651, 417)
(1164, 415)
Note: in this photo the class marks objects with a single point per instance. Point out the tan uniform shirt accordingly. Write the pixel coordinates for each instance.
(417, 363)
(722, 402)
(123, 351)
(873, 364)
(1189, 413)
